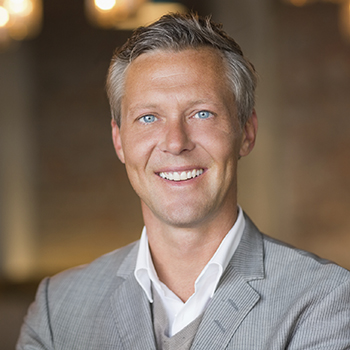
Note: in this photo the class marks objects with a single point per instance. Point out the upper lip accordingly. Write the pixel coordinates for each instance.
(179, 169)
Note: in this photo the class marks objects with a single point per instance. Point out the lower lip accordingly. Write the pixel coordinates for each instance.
(182, 181)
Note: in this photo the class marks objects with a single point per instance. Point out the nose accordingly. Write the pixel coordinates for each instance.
(176, 138)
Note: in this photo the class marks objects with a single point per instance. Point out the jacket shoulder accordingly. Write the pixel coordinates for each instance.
(74, 300)
(303, 266)
(100, 273)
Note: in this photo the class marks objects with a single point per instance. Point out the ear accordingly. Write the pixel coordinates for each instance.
(249, 131)
(117, 141)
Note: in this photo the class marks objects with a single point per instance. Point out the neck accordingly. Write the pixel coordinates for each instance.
(179, 254)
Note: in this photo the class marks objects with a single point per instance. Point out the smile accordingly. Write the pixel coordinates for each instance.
(181, 175)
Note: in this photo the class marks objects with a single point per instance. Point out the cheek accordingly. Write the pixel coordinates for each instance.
(137, 150)
(223, 146)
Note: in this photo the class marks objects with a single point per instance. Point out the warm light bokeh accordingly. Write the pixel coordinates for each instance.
(345, 19)
(19, 7)
(105, 5)
(20, 19)
(4, 16)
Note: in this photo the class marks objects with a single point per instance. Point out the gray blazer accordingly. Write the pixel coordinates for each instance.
(271, 296)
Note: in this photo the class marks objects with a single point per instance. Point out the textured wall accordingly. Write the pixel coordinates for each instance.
(85, 204)
(314, 66)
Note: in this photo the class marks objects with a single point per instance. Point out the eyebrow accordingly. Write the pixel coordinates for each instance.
(142, 106)
(189, 104)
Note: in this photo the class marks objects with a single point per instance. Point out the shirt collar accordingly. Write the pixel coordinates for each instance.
(145, 272)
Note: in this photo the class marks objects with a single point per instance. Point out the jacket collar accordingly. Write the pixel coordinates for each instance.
(131, 308)
(232, 301)
(234, 297)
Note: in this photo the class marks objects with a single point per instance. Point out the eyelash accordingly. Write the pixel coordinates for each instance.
(142, 119)
(154, 118)
(209, 114)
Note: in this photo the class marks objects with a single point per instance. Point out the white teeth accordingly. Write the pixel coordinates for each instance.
(181, 176)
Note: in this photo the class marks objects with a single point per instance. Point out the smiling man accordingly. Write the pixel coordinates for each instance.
(202, 276)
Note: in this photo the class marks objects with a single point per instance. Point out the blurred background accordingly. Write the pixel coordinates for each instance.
(64, 196)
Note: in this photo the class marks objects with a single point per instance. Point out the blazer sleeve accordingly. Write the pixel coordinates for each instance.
(327, 324)
(36, 332)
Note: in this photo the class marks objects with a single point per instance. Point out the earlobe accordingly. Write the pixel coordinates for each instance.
(249, 135)
(117, 141)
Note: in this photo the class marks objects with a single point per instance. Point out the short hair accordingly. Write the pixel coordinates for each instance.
(178, 32)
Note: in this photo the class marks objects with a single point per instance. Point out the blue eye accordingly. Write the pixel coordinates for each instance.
(147, 119)
(203, 115)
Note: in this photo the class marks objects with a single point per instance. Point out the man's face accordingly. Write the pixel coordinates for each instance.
(180, 138)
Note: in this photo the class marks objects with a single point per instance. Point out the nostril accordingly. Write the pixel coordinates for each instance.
(177, 140)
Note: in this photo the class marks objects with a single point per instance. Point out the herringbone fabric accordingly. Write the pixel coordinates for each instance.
(270, 297)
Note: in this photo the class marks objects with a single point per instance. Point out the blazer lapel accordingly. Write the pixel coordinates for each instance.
(234, 297)
(131, 308)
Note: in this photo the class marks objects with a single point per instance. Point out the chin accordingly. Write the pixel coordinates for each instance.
(185, 218)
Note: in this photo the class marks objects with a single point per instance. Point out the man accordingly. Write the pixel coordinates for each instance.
(202, 276)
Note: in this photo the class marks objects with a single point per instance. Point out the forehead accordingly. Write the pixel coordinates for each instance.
(166, 69)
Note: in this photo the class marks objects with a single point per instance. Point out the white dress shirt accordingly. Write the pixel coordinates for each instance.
(181, 314)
